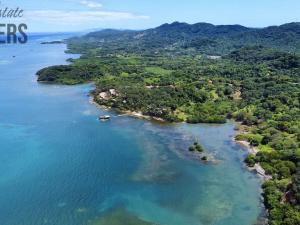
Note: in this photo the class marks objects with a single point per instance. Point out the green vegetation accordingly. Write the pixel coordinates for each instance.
(204, 158)
(51, 42)
(192, 148)
(196, 147)
(172, 72)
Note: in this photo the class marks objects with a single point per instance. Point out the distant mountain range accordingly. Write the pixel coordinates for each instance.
(203, 37)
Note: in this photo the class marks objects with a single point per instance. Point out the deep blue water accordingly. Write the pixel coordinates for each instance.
(60, 166)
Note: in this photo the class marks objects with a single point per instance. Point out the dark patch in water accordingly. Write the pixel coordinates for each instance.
(120, 217)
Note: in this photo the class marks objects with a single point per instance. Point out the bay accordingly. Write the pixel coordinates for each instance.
(60, 166)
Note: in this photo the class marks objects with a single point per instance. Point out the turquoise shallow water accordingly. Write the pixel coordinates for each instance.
(60, 166)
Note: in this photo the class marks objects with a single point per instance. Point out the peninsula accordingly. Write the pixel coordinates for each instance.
(203, 73)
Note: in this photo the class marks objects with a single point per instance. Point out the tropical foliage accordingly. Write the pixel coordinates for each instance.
(205, 73)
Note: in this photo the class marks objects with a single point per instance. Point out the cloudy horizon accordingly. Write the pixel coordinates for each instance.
(79, 15)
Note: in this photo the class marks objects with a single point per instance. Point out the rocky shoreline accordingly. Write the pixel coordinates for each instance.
(257, 167)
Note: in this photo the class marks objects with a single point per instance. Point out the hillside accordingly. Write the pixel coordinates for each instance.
(171, 72)
(203, 37)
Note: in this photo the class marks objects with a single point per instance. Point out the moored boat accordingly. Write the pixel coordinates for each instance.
(104, 117)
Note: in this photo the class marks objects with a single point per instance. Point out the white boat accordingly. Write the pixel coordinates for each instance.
(105, 117)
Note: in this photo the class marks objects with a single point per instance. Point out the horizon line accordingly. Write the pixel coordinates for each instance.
(122, 29)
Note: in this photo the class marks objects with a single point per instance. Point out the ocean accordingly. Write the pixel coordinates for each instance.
(59, 165)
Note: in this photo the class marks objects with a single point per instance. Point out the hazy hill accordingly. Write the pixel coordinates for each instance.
(202, 37)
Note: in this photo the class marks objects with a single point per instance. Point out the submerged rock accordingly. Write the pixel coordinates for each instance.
(120, 217)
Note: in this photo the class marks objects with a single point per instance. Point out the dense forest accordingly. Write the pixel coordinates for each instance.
(203, 73)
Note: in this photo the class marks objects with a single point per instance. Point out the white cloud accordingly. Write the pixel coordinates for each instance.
(79, 17)
(91, 4)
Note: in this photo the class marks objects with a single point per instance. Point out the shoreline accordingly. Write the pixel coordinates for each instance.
(139, 115)
(257, 168)
(135, 114)
(245, 144)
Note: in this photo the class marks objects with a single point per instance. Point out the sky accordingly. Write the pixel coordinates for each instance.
(82, 15)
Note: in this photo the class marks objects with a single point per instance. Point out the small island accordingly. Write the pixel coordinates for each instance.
(196, 147)
(52, 42)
